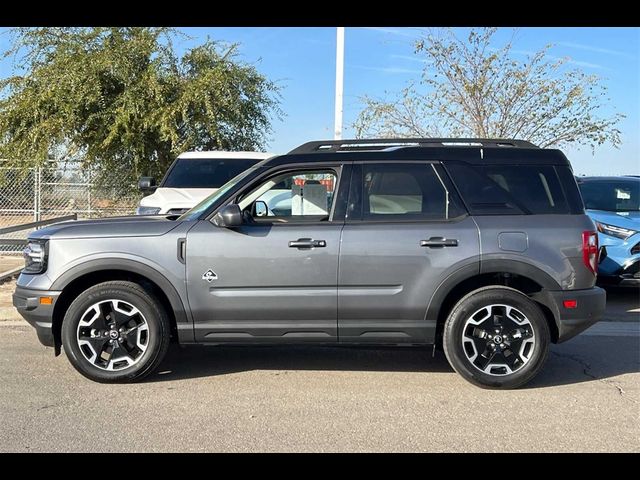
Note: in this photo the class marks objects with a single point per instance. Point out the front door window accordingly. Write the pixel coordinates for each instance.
(295, 196)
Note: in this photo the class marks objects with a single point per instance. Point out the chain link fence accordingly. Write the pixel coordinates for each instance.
(58, 190)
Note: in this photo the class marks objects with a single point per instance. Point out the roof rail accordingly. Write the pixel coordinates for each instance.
(362, 144)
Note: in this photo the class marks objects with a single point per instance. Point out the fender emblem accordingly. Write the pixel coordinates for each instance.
(209, 276)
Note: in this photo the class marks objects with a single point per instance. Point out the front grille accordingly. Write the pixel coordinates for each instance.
(635, 249)
(177, 211)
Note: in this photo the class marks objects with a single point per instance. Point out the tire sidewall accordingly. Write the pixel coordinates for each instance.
(100, 293)
(473, 302)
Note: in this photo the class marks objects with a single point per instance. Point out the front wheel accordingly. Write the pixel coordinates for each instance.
(496, 337)
(115, 332)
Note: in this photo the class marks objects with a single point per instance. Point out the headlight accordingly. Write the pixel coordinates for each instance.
(147, 210)
(614, 231)
(35, 256)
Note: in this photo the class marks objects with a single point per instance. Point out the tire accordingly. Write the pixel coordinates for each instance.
(137, 319)
(490, 315)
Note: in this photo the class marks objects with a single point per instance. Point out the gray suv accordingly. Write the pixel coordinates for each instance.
(479, 246)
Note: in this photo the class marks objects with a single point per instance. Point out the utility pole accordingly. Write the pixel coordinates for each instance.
(337, 134)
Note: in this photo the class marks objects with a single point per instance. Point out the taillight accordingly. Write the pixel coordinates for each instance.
(590, 250)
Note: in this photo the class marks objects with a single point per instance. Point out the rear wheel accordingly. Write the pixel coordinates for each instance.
(496, 337)
(115, 332)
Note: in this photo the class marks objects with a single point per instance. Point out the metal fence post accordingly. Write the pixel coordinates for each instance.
(35, 193)
(89, 185)
(39, 209)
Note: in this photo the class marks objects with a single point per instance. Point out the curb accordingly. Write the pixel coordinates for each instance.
(13, 323)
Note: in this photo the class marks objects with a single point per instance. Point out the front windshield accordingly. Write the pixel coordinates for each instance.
(196, 211)
(612, 196)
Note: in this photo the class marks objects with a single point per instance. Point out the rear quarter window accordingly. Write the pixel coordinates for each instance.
(513, 189)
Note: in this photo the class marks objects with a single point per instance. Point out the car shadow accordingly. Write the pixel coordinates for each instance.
(203, 361)
(586, 358)
(623, 304)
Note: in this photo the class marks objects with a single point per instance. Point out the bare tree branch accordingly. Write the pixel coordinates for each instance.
(477, 89)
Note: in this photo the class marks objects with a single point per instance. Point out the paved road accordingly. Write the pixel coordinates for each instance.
(323, 399)
(623, 304)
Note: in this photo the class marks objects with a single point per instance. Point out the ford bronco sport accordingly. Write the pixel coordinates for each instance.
(480, 246)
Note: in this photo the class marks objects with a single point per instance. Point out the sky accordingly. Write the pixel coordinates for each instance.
(380, 61)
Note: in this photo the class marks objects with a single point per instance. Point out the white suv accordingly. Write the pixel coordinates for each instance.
(191, 178)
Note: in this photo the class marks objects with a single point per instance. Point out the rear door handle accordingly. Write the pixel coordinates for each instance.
(307, 243)
(439, 242)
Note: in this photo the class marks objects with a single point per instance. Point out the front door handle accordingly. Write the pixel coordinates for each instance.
(439, 242)
(307, 243)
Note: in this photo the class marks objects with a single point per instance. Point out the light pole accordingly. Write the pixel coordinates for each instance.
(337, 133)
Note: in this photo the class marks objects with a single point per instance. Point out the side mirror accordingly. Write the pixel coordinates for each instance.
(147, 184)
(259, 209)
(228, 216)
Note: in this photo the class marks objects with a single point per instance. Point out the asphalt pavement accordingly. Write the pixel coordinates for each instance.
(264, 399)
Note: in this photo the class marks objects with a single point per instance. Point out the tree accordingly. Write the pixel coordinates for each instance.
(470, 89)
(122, 101)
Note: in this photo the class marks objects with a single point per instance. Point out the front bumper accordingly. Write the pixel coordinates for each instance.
(628, 274)
(619, 261)
(27, 302)
(590, 307)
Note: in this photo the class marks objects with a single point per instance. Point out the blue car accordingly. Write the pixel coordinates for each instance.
(613, 203)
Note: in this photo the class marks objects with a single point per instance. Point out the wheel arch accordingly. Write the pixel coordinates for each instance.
(522, 276)
(83, 276)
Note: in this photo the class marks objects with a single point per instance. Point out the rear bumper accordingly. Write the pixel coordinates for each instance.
(570, 322)
(27, 302)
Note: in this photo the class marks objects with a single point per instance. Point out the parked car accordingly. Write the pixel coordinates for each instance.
(479, 246)
(613, 203)
(192, 177)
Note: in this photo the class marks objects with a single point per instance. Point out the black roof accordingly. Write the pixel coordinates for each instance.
(469, 150)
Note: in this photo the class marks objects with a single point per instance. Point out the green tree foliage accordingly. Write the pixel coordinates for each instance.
(121, 100)
(470, 89)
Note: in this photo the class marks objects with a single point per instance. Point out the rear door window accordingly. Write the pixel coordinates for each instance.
(401, 192)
